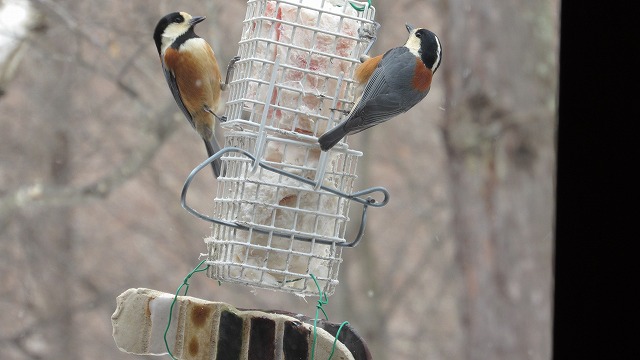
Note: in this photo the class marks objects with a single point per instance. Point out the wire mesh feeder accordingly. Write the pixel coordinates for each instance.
(281, 207)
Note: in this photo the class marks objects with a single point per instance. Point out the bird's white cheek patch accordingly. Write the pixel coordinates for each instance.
(413, 44)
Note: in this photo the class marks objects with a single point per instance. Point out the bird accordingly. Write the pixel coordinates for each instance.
(394, 83)
(192, 73)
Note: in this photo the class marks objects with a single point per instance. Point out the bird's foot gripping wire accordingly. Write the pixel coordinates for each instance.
(368, 32)
(343, 111)
(230, 68)
(220, 118)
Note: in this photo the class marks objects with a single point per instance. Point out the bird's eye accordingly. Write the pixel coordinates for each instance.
(418, 35)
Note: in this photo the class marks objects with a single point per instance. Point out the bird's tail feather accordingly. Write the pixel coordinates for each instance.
(212, 148)
(331, 138)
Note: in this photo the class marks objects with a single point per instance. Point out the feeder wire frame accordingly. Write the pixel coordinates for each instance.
(282, 205)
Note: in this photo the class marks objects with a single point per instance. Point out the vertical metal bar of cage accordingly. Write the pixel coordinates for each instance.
(322, 162)
(262, 133)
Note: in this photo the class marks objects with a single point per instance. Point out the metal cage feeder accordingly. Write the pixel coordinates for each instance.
(281, 208)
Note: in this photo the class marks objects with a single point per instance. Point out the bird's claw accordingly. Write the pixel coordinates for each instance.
(230, 69)
(343, 111)
(220, 118)
(369, 32)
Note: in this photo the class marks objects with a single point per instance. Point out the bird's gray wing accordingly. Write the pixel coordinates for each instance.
(380, 99)
(175, 91)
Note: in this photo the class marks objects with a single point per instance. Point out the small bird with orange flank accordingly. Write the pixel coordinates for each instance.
(192, 73)
(395, 82)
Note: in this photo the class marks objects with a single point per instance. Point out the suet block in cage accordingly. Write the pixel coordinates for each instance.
(294, 80)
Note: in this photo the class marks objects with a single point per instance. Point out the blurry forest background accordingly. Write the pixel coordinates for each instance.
(94, 153)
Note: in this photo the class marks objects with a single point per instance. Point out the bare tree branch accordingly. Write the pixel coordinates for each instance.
(40, 195)
(69, 21)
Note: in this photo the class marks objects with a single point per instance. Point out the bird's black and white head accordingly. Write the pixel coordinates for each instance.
(425, 45)
(175, 26)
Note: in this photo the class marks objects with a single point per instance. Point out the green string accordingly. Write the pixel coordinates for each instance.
(359, 8)
(335, 339)
(322, 301)
(185, 282)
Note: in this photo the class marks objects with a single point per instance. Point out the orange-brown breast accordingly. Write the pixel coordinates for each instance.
(197, 76)
(421, 76)
(363, 71)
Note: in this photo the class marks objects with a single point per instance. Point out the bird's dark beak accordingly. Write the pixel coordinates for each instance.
(196, 19)
(409, 27)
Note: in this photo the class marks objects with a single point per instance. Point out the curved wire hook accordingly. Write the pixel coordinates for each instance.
(369, 201)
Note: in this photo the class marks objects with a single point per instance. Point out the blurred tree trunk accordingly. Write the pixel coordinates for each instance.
(61, 276)
(500, 71)
(52, 230)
